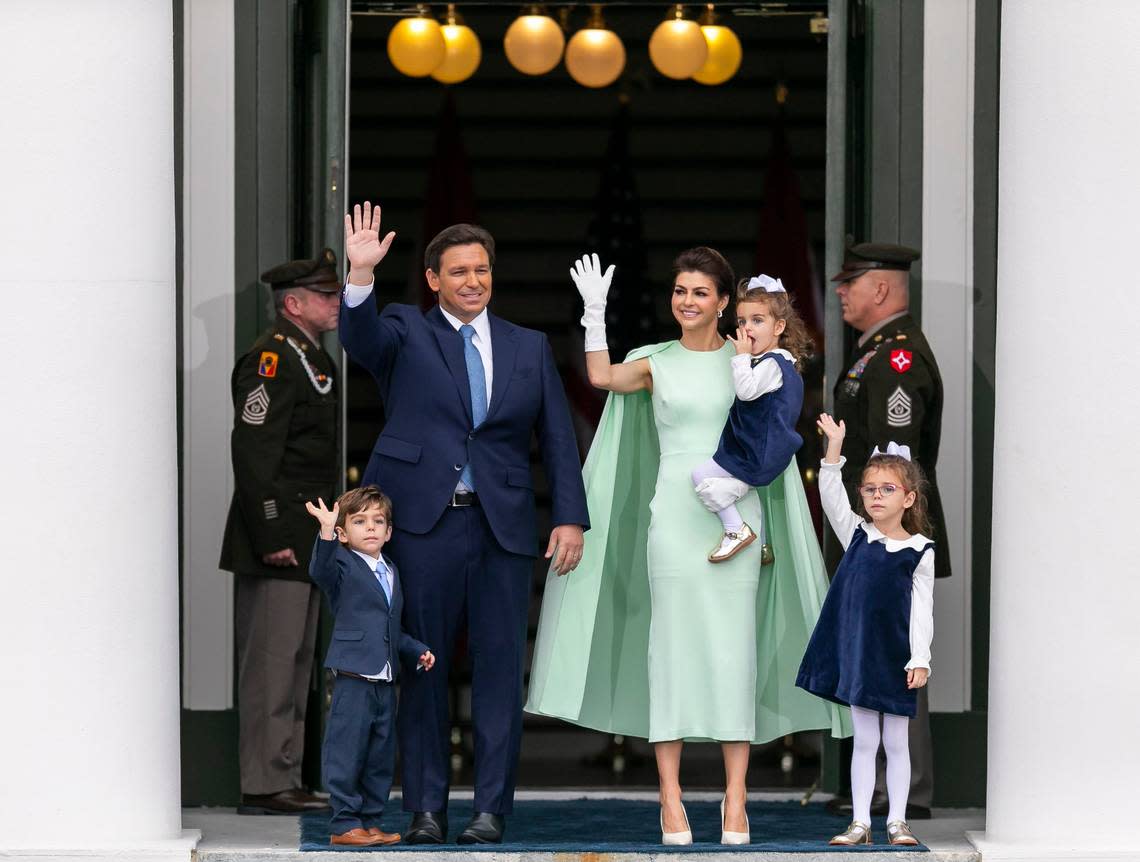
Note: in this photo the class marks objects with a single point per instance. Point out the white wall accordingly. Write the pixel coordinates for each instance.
(1064, 753)
(89, 673)
(208, 350)
(947, 318)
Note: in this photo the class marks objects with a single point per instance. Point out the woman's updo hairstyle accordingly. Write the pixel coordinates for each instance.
(710, 262)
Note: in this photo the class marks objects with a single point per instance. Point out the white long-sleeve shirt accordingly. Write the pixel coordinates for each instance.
(845, 522)
(750, 382)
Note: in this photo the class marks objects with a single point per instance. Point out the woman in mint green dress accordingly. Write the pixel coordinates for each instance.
(647, 638)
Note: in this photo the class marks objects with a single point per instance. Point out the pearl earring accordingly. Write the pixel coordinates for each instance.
(720, 314)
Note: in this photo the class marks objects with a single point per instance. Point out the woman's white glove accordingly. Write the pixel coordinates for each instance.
(593, 286)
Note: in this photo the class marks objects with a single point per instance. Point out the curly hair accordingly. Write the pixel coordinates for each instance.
(910, 476)
(794, 338)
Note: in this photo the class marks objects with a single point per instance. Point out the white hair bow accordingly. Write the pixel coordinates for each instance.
(770, 285)
(894, 448)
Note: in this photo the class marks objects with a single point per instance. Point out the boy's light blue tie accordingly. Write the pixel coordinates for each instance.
(382, 576)
(477, 380)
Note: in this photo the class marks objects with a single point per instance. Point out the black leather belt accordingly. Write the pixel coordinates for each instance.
(352, 675)
(463, 499)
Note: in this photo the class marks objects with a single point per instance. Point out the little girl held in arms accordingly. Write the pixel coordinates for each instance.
(759, 439)
(871, 646)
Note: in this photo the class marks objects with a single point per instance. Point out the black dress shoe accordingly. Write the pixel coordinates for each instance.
(291, 801)
(427, 827)
(484, 828)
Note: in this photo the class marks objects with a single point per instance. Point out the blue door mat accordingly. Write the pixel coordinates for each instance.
(623, 826)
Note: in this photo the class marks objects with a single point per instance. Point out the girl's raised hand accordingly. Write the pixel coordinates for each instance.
(830, 429)
(742, 342)
(916, 677)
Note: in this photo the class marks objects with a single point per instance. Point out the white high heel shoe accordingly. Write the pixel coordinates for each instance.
(733, 837)
(676, 838)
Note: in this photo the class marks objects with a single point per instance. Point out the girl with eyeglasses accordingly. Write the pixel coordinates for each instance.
(871, 646)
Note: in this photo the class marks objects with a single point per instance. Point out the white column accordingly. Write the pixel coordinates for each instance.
(948, 315)
(89, 740)
(207, 350)
(1064, 752)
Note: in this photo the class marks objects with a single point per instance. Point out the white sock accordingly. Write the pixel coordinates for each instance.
(866, 749)
(896, 742)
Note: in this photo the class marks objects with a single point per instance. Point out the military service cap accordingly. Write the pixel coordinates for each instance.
(862, 257)
(318, 274)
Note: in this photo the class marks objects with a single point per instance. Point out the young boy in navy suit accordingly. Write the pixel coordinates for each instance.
(363, 589)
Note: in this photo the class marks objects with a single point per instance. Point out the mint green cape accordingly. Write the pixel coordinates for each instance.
(591, 654)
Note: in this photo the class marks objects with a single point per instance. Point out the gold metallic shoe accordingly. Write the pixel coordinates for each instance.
(899, 833)
(732, 544)
(767, 557)
(856, 833)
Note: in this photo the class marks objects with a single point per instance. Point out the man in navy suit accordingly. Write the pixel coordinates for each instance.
(358, 758)
(464, 393)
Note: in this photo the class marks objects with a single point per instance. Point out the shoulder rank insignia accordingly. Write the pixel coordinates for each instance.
(900, 337)
(256, 406)
(277, 336)
(901, 360)
(267, 365)
(899, 409)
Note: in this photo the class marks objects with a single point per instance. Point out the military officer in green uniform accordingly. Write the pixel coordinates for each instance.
(890, 389)
(284, 450)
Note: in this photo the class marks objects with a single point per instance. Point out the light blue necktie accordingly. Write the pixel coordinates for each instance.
(382, 576)
(477, 380)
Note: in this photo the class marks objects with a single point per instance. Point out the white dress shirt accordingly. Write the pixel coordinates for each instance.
(374, 563)
(752, 382)
(845, 522)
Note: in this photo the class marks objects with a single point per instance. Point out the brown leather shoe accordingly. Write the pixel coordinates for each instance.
(291, 801)
(356, 838)
(385, 837)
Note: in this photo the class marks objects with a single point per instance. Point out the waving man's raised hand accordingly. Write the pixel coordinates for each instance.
(362, 243)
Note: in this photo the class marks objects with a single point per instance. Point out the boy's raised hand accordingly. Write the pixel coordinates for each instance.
(325, 517)
(916, 677)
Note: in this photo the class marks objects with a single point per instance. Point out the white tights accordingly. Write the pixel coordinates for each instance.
(730, 518)
(897, 745)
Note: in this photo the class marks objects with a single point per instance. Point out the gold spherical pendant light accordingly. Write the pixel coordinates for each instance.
(534, 42)
(416, 46)
(463, 51)
(595, 56)
(725, 52)
(678, 47)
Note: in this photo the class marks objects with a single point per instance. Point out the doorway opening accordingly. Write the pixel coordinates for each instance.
(637, 171)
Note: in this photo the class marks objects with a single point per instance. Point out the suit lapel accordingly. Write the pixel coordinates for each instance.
(451, 346)
(504, 350)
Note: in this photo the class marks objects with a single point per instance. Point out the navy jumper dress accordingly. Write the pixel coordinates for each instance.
(759, 439)
(858, 653)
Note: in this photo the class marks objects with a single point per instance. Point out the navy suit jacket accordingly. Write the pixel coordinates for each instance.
(417, 360)
(366, 626)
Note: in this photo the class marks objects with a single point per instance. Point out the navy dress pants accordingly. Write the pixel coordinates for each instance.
(458, 574)
(358, 758)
